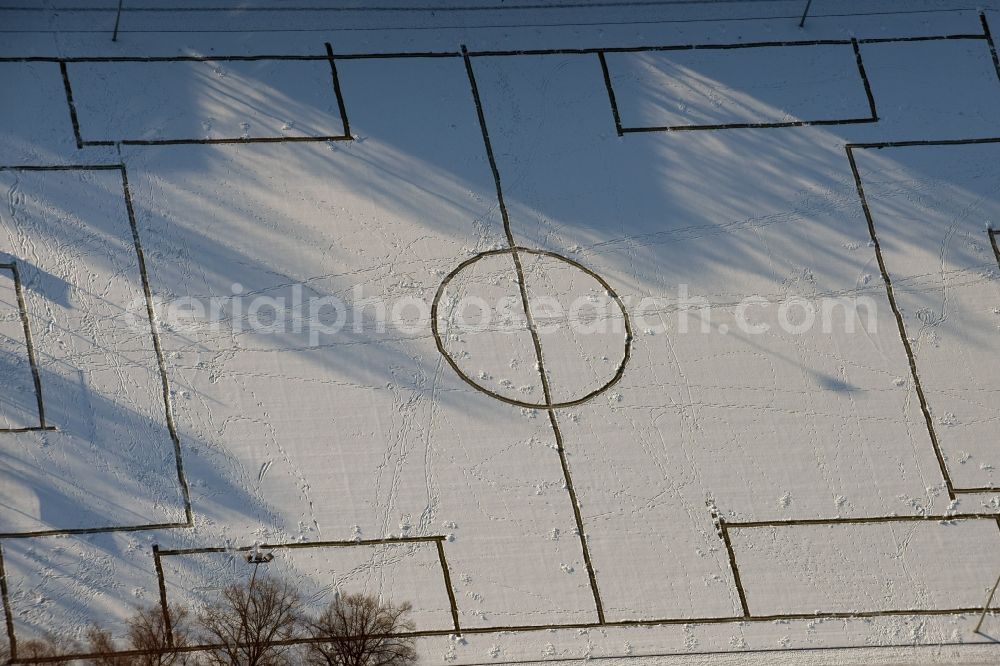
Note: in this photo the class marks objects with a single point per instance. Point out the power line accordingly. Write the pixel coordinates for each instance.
(500, 25)
(416, 8)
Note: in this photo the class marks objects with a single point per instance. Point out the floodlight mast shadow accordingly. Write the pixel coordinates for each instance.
(805, 12)
(118, 18)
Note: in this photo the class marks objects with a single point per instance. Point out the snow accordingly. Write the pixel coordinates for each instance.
(271, 98)
(808, 569)
(689, 467)
(692, 88)
(404, 571)
(111, 460)
(932, 206)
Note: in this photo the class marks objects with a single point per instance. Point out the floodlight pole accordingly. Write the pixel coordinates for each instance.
(253, 578)
(256, 558)
(805, 12)
(986, 606)
(244, 629)
(118, 18)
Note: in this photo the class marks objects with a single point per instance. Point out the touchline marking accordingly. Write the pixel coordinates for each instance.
(712, 47)
(975, 611)
(94, 530)
(331, 57)
(861, 520)
(138, 653)
(489, 53)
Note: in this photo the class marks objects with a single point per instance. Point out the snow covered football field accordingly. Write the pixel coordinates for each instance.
(609, 330)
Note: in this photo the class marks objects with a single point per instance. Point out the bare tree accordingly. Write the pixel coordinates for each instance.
(147, 636)
(362, 632)
(49, 647)
(147, 633)
(247, 622)
(100, 643)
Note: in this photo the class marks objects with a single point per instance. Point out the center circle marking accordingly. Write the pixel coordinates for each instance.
(626, 342)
